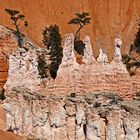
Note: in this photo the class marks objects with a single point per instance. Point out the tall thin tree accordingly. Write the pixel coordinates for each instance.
(16, 19)
(81, 19)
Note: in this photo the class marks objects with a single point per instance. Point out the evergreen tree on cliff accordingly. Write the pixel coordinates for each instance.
(52, 40)
(137, 41)
(133, 62)
(81, 19)
(17, 19)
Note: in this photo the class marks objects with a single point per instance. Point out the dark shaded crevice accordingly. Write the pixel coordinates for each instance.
(106, 121)
(96, 105)
(10, 129)
(138, 132)
(2, 95)
(103, 115)
(76, 122)
(124, 129)
(73, 95)
(53, 125)
(85, 130)
(64, 106)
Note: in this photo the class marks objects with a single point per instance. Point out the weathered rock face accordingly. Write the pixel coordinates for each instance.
(81, 103)
(87, 117)
(23, 65)
(136, 70)
(109, 18)
(8, 43)
(10, 136)
(2, 117)
(89, 77)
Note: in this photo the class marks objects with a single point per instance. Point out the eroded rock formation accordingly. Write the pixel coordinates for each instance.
(22, 65)
(88, 57)
(118, 45)
(8, 44)
(90, 116)
(91, 76)
(109, 18)
(102, 58)
(83, 102)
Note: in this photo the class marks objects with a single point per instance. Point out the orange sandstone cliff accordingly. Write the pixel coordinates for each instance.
(109, 18)
(83, 102)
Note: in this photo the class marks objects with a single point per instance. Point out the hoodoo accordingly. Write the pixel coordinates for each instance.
(70, 82)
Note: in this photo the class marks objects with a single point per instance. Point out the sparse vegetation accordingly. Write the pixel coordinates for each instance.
(132, 62)
(42, 66)
(18, 21)
(2, 96)
(137, 40)
(52, 40)
(81, 19)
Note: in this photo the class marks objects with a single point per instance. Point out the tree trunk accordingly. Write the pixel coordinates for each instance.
(76, 38)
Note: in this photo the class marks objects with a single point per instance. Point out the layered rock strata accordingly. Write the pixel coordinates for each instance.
(8, 43)
(87, 117)
(90, 76)
(84, 102)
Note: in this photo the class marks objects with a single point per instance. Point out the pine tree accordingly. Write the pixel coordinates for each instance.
(131, 61)
(52, 40)
(137, 41)
(16, 19)
(81, 19)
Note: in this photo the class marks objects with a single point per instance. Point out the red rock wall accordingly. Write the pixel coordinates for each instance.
(109, 17)
(94, 78)
(3, 71)
(10, 136)
(7, 44)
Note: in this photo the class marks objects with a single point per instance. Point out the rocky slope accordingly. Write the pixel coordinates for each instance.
(8, 42)
(87, 117)
(84, 101)
(91, 76)
(109, 18)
